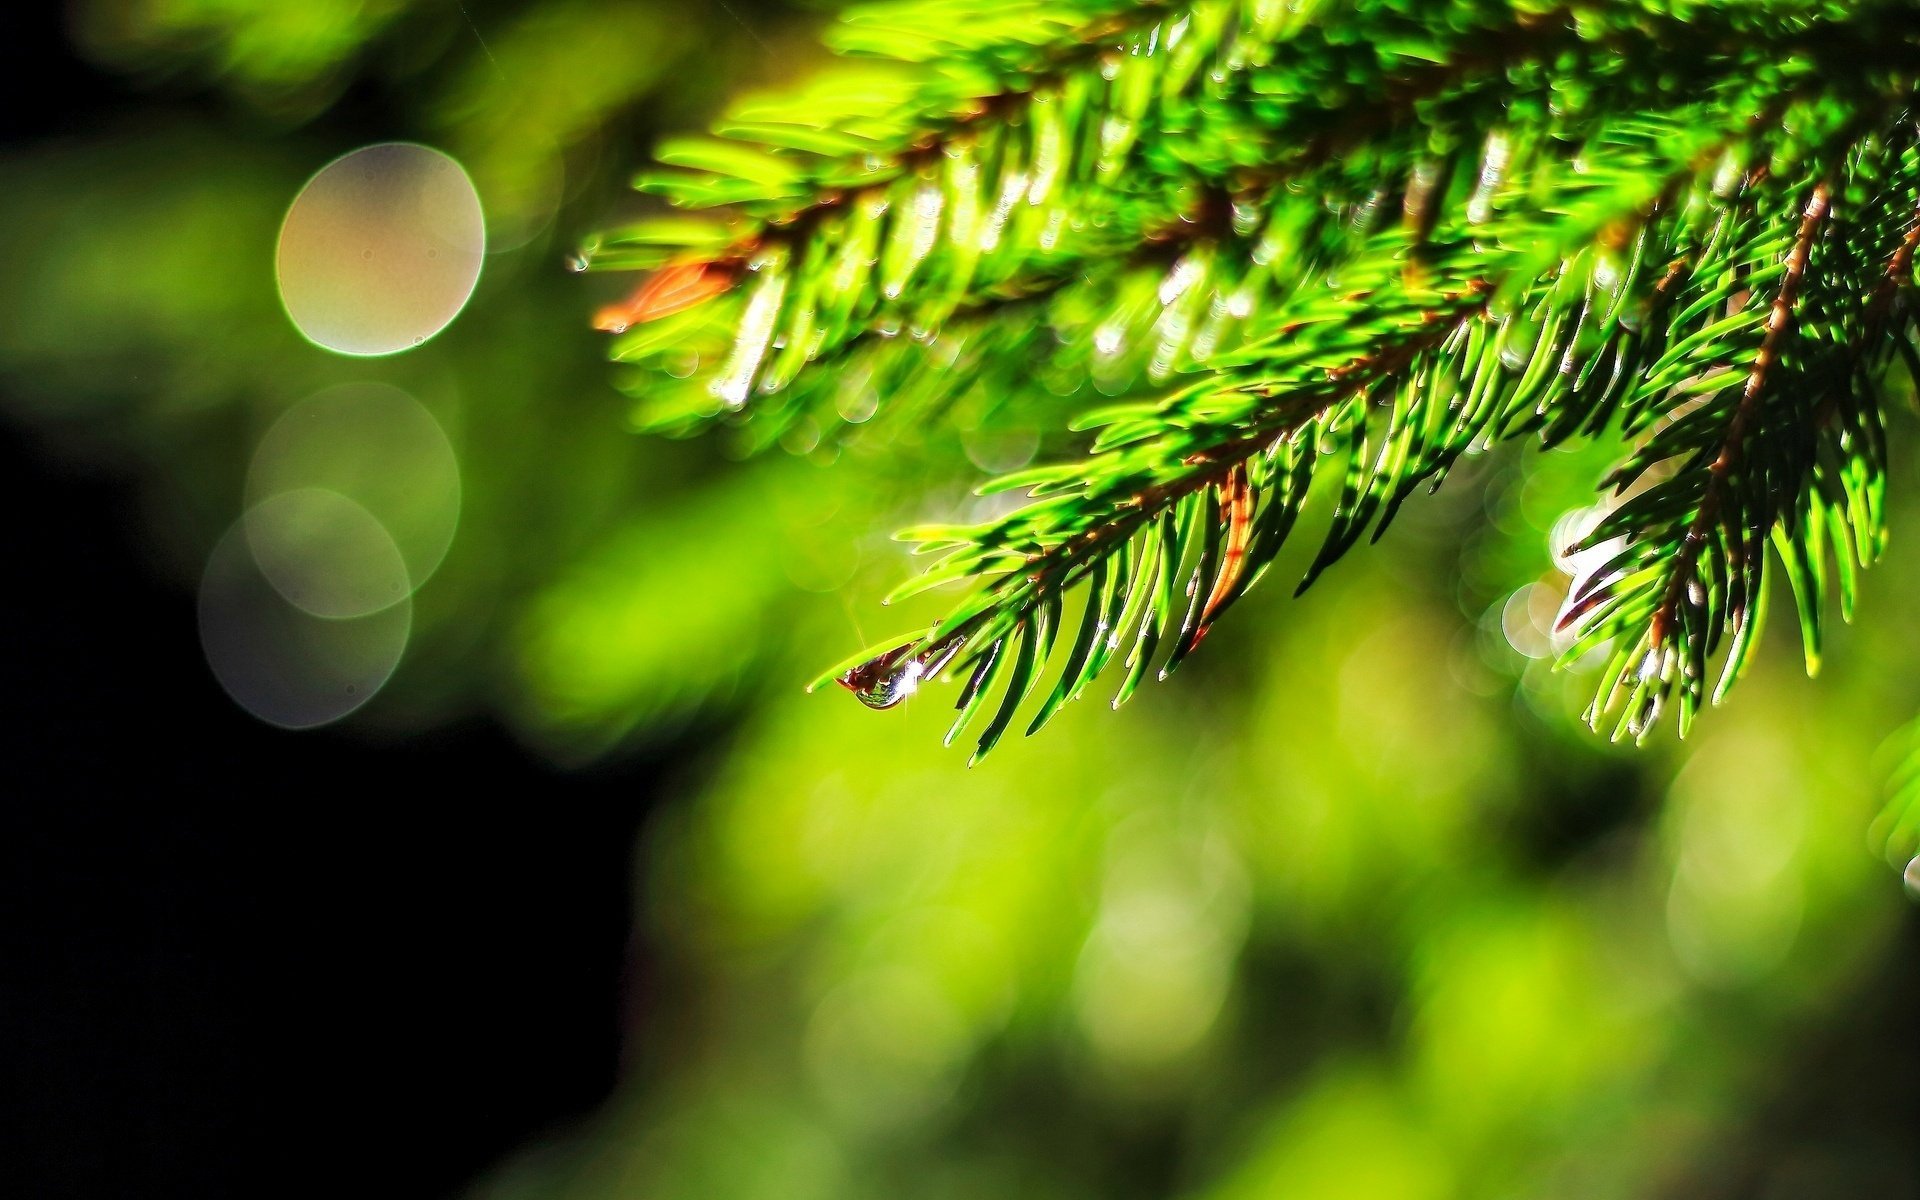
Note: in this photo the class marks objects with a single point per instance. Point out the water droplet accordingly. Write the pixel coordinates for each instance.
(1912, 877)
(886, 679)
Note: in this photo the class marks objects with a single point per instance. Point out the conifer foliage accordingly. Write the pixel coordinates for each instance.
(1302, 240)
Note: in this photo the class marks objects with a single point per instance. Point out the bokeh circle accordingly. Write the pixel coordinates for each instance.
(378, 447)
(285, 666)
(326, 555)
(381, 249)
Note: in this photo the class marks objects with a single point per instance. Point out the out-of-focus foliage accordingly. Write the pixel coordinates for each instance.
(1360, 911)
(1898, 828)
(1342, 919)
(285, 58)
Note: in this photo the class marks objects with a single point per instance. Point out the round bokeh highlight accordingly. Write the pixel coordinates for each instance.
(285, 666)
(381, 249)
(381, 449)
(326, 555)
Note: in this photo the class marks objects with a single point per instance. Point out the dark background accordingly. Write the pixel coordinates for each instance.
(231, 955)
(237, 961)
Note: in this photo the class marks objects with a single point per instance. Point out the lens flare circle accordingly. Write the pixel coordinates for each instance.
(381, 249)
(326, 555)
(381, 449)
(285, 666)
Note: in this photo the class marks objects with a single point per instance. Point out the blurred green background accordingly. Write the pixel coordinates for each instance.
(1354, 907)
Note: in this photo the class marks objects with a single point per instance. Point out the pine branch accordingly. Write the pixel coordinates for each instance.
(1325, 239)
(1402, 340)
(1312, 86)
(862, 214)
(1167, 477)
(1680, 623)
(1795, 464)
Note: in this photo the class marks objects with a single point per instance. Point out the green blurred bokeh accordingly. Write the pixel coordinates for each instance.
(1352, 908)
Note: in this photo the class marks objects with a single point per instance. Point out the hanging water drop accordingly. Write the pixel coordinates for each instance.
(1912, 876)
(886, 679)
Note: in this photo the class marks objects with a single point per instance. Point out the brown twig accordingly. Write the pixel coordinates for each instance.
(1779, 321)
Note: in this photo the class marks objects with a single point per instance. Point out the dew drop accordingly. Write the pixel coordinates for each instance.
(889, 678)
(1912, 876)
(885, 679)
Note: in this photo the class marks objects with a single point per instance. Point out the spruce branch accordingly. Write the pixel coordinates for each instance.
(1387, 373)
(860, 212)
(974, 200)
(1795, 456)
(1681, 630)
(1345, 242)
